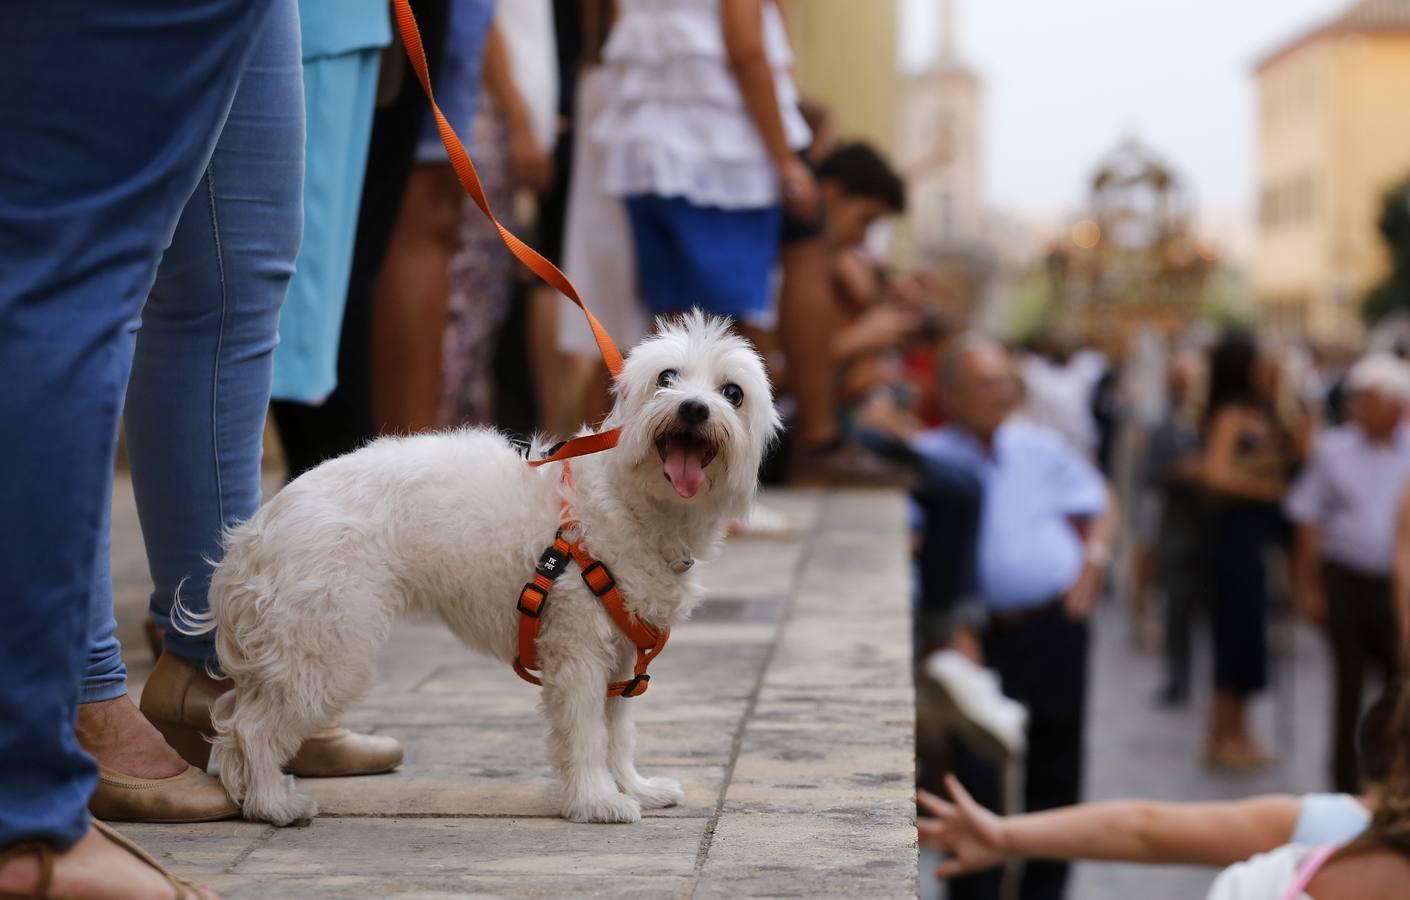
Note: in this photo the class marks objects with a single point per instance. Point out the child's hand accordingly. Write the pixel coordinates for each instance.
(971, 834)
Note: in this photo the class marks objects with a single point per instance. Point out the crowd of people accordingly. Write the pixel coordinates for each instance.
(1251, 483)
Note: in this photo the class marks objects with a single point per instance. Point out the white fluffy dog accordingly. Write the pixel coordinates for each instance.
(452, 524)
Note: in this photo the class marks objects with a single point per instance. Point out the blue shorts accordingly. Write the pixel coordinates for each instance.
(703, 257)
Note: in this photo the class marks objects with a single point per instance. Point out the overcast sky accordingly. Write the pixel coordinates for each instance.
(1065, 80)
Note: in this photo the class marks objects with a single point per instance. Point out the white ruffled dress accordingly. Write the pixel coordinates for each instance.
(674, 123)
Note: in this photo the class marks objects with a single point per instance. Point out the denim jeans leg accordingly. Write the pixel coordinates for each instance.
(105, 677)
(201, 376)
(110, 112)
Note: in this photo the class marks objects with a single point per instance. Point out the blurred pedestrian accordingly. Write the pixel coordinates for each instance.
(1249, 457)
(342, 52)
(1046, 523)
(598, 256)
(343, 420)
(700, 137)
(413, 287)
(1344, 504)
(1060, 378)
(1180, 547)
(859, 188)
(514, 128)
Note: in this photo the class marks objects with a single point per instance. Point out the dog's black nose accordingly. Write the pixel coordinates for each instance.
(693, 412)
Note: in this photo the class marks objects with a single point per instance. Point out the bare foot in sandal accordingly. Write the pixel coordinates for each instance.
(96, 868)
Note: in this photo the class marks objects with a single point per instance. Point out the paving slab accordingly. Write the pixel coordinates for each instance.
(784, 708)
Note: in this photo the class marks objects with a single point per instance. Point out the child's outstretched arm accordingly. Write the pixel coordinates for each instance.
(1141, 831)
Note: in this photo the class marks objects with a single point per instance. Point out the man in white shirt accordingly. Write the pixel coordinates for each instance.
(1345, 506)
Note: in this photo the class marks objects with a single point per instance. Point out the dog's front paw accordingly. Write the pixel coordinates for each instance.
(286, 809)
(615, 808)
(657, 793)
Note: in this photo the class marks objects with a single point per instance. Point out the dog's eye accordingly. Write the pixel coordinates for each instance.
(666, 377)
(733, 393)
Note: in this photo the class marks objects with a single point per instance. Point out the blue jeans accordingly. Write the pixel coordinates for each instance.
(124, 136)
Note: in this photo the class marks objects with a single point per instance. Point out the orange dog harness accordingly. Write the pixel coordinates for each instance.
(599, 579)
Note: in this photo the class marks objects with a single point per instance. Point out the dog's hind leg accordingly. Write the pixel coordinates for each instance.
(258, 737)
(651, 793)
(574, 699)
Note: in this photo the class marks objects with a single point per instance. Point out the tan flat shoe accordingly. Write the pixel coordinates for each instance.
(332, 751)
(178, 698)
(192, 796)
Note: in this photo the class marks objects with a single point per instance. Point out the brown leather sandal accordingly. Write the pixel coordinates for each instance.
(185, 890)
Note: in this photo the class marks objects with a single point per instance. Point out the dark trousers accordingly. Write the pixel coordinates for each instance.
(1242, 534)
(1183, 566)
(1363, 627)
(1041, 658)
(344, 422)
(946, 563)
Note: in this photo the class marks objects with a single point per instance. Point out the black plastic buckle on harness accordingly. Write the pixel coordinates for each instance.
(629, 689)
(606, 588)
(553, 562)
(554, 449)
(534, 611)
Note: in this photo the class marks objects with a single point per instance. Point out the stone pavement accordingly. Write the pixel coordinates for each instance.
(785, 709)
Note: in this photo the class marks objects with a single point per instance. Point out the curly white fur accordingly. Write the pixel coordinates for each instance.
(452, 524)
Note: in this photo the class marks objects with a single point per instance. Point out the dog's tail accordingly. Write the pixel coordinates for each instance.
(187, 621)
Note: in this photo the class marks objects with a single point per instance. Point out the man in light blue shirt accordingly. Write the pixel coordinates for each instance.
(1042, 549)
(1345, 504)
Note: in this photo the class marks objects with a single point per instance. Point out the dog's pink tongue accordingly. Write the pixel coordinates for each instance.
(684, 471)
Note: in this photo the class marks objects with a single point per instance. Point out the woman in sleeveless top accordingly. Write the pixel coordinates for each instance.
(1248, 463)
(698, 136)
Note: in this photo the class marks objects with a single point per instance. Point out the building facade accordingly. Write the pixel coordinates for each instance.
(1334, 136)
(940, 150)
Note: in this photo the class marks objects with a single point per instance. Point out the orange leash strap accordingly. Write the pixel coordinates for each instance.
(465, 170)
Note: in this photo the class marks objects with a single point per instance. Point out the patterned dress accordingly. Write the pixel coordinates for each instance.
(480, 273)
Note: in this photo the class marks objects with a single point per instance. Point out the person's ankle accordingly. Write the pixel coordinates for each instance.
(123, 741)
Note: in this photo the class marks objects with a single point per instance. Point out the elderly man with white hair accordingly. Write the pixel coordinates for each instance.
(1345, 505)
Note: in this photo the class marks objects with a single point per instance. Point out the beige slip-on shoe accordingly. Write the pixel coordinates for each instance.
(192, 796)
(332, 751)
